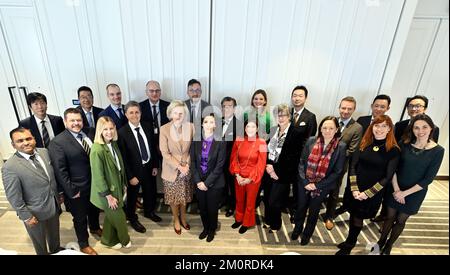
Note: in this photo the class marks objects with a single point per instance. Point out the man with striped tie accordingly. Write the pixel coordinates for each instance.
(43, 127)
(69, 152)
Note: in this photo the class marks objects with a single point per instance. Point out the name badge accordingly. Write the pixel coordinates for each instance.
(155, 130)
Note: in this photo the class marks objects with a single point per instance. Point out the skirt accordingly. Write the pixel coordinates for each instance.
(179, 191)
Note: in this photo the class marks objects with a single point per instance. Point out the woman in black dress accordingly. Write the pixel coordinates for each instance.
(371, 168)
(419, 163)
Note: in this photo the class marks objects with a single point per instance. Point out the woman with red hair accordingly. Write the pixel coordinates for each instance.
(371, 169)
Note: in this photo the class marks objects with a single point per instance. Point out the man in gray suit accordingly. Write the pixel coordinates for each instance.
(351, 134)
(196, 106)
(30, 187)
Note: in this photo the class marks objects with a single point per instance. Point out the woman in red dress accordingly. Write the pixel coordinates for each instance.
(247, 164)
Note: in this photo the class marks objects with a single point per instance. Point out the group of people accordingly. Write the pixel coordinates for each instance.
(96, 160)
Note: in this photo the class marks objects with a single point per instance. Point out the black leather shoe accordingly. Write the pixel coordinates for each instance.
(229, 213)
(243, 229)
(304, 241)
(345, 245)
(210, 236)
(138, 226)
(294, 235)
(203, 235)
(97, 232)
(341, 210)
(153, 217)
(386, 250)
(236, 225)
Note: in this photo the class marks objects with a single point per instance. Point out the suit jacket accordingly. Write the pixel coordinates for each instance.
(286, 167)
(71, 163)
(30, 123)
(364, 121)
(174, 149)
(352, 136)
(401, 126)
(306, 124)
(109, 111)
(214, 177)
(106, 177)
(147, 112)
(132, 155)
(28, 191)
(335, 168)
(95, 111)
(206, 108)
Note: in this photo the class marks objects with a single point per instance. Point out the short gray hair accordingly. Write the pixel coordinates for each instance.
(132, 103)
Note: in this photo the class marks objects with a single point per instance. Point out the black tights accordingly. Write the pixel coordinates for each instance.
(356, 225)
(394, 224)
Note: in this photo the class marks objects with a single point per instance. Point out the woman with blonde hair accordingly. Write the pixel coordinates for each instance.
(108, 182)
(175, 142)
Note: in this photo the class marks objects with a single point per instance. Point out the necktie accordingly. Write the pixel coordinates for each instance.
(89, 119)
(85, 145)
(45, 136)
(155, 117)
(296, 116)
(341, 124)
(192, 113)
(144, 154)
(224, 127)
(119, 111)
(38, 165)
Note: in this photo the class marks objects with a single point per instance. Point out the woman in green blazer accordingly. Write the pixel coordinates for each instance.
(108, 182)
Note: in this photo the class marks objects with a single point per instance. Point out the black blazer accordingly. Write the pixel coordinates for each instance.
(335, 167)
(96, 112)
(401, 126)
(30, 123)
(71, 163)
(147, 112)
(130, 151)
(364, 121)
(110, 112)
(214, 177)
(286, 167)
(306, 124)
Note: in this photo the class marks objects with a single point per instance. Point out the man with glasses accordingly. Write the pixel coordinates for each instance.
(196, 105)
(417, 105)
(89, 112)
(154, 110)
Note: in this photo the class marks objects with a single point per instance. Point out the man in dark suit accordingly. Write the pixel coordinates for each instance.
(138, 150)
(380, 105)
(30, 187)
(115, 109)
(154, 107)
(231, 127)
(305, 122)
(196, 106)
(417, 105)
(351, 135)
(69, 152)
(43, 127)
(89, 112)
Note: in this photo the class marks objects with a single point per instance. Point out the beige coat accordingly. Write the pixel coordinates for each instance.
(174, 148)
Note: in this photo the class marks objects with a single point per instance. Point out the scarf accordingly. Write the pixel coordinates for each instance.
(319, 159)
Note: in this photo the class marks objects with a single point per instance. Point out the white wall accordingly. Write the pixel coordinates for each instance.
(334, 47)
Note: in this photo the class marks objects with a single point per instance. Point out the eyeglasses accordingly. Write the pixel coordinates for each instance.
(198, 91)
(154, 91)
(418, 106)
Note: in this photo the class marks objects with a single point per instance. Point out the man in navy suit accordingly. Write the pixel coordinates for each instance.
(89, 112)
(43, 127)
(115, 109)
(380, 105)
(154, 109)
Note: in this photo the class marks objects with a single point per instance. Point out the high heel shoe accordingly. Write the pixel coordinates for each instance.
(187, 226)
(178, 231)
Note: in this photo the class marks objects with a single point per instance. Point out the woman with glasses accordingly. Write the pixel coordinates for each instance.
(321, 164)
(371, 170)
(284, 148)
(419, 164)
